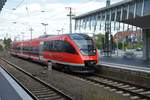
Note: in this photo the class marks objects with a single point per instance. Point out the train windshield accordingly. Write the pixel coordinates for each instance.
(85, 43)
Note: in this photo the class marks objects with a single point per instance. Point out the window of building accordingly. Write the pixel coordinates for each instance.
(118, 14)
(124, 15)
(138, 8)
(131, 11)
(146, 7)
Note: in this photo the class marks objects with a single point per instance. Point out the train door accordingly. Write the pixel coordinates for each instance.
(70, 53)
(41, 58)
(21, 49)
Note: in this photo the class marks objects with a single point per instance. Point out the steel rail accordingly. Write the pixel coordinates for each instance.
(118, 88)
(38, 80)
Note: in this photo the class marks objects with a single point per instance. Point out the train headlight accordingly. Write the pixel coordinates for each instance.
(94, 51)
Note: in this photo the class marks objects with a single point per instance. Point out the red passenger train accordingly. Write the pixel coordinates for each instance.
(74, 52)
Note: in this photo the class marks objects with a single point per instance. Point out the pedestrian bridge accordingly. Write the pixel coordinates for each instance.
(120, 16)
(132, 12)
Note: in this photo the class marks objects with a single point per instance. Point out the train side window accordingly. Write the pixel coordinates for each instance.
(45, 46)
(35, 50)
(18, 48)
(59, 46)
(52, 46)
(49, 46)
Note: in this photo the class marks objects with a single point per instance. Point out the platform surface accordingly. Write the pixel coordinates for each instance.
(135, 64)
(9, 89)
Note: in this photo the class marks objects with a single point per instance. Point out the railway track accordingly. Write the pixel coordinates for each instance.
(37, 88)
(135, 92)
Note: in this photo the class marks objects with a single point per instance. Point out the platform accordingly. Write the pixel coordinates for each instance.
(133, 64)
(136, 71)
(10, 89)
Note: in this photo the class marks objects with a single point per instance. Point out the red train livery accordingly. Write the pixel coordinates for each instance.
(74, 52)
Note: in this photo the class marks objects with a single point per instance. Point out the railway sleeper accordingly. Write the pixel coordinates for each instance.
(104, 81)
(115, 83)
(138, 90)
(49, 92)
(112, 83)
(119, 92)
(39, 91)
(46, 95)
(61, 99)
(120, 84)
(135, 97)
(145, 92)
(109, 82)
(113, 90)
(37, 88)
(54, 98)
(126, 94)
(125, 86)
(131, 88)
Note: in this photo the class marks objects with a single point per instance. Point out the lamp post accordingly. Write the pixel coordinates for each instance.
(22, 36)
(62, 30)
(44, 24)
(31, 30)
(117, 40)
(70, 18)
(58, 31)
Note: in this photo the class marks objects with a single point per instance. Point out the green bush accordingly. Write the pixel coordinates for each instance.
(1, 48)
(134, 45)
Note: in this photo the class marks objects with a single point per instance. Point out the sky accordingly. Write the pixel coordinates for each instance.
(18, 16)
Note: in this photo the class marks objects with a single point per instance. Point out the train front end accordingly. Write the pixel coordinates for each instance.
(87, 51)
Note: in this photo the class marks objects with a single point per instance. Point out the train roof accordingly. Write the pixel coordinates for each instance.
(46, 37)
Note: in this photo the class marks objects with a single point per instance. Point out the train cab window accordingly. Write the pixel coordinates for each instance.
(84, 43)
(64, 46)
(69, 48)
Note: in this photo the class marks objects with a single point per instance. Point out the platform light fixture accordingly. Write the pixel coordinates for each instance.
(45, 24)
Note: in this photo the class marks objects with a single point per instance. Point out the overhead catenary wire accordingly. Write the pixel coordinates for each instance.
(18, 5)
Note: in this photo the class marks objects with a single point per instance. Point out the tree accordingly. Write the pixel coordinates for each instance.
(7, 43)
(112, 44)
(107, 41)
(99, 38)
